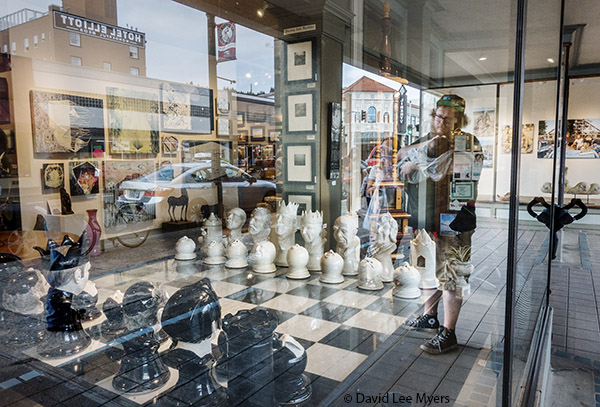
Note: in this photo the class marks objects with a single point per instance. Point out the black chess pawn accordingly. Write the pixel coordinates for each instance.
(291, 384)
(141, 368)
(114, 325)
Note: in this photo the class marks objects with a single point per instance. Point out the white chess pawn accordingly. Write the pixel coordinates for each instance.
(214, 253)
(297, 259)
(185, 249)
(348, 244)
(369, 274)
(236, 253)
(406, 282)
(262, 257)
(332, 265)
(422, 257)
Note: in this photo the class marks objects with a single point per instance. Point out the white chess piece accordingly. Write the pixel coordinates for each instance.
(369, 274)
(185, 267)
(406, 282)
(332, 265)
(185, 249)
(214, 253)
(285, 230)
(235, 220)
(262, 257)
(236, 253)
(422, 257)
(348, 244)
(297, 259)
(212, 230)
(385, 239)
(259, 226)
(312, 231)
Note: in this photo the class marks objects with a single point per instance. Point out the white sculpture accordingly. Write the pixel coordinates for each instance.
(332, 265)
(212, 230)
(235, 220)
(369, 274)
(348, 244)
(422, 257)
(236, 253)
(260, 224)
(297, 259)
(285, 230)
(262, 257)
(312, 230)
(406, 282)
(214, 253)
(185, 249)
(386, 232)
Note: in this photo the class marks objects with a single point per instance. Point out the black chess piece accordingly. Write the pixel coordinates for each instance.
(65, 202)
(114, 326)
(289, 359)
(40, 222)
(87, 302)
(141, 368)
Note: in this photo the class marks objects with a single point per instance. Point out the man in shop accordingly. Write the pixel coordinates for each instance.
(442, 162)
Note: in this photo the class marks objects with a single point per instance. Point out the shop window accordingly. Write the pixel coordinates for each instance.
(107, 66)
(133, 53)
(26, 44)
(35, 41)
(134, 71)
(76, 61)
(371, 114)
(75, 39)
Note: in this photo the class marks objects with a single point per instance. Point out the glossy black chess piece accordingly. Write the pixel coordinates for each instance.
(114, 325)
(65, 202)
(87, 302)
(141, 367)
(289, 359)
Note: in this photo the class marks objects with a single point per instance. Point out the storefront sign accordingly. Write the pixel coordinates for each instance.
(85, 26)
(300, 29)
(226, 41)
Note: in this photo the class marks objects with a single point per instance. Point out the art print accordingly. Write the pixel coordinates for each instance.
(526, 138)
(300, 112)
(223, 127)
(53, 177)
(84, 178)
(299, 61)
(170, 144)
(299, 163)
(257, 133)
(186, 108)
(484, 123)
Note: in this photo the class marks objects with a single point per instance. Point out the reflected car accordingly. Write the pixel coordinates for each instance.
(199, 180)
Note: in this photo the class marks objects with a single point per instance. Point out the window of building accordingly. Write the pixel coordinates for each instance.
(75, 39)
(133, 52)
(43, 36)
(386, 117)
(35, 41)
(5, 48)
(134, 71)
(371, 114)
(76, 61)
(107, 66)
(13, 47)
(26, 44)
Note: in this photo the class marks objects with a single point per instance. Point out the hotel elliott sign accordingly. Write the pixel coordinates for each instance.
(85, 26)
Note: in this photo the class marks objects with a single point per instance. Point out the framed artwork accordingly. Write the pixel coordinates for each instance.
(241, 119)
(186, 108)
(133, 121)
(257, 133)
(84, 178)
(223, 127)
(274, 136)
(484, 120)
(67, 124)
(526, 139)
(242, 136)
(487, 147)
(306, 202)
(202, 150)
(299, 58)
(53, 177)
(300, 113)
(333, 141)
(583, 138)
(461, 190)
(170, 144)
(299, 163)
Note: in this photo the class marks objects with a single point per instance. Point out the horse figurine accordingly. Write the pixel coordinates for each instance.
(182, 201)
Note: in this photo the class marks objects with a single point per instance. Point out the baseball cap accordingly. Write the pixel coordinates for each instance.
(453, 101)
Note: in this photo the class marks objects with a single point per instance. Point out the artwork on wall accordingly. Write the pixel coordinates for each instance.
(257, 133)
(67, 124)
(274, 136)
(484, 120)
(299, 160)
(583, 138)
(223, 127)
(526, 138)
(84, 178)
(133, 121)
(487, 148)
(186, 108)
(241, 119)
(170, 144)
(202, 150)
(300, 113)
(53, 177)
(242, 136)
(300, 61)
(333, 141)
(114, 174)
(306, 202)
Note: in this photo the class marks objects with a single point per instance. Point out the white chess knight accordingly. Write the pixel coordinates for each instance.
(262, 257)
(235, 220)
(348, 244)
(369, 274)
(259, 226)
(285, 230)
(384, 244)
(297, 258)
(312, 230)
(422, 257)
(236, 254)
(185, 249)
(212, 230)
(332, 265)
(214, 253)
(406, 282)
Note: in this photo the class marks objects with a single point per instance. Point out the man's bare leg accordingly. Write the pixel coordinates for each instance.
(431, 304)
(452, 304)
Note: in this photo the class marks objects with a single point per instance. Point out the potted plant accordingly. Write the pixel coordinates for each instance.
(460, 262)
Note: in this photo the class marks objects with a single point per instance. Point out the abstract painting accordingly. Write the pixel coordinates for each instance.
(84, 177)
(53, 177)
(186, 108)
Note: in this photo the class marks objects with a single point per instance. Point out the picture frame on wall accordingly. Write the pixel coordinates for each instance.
(53, 177)
(300, 163)
(300, 113)
(300, 61)
(257, 133)
(306, 202)
(186, 108)
(84, 178)
(274, 136)
(169, 144)
(241, 119)
(242, 136)
(223, 127)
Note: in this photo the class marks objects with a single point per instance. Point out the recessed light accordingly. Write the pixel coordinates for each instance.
(248, 75)
(483, 58)
(550, 60)
(260, 12)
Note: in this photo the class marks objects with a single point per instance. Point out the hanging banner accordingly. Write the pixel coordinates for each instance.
(226, 42)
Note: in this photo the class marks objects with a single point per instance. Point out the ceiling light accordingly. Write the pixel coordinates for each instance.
(550, 60)
(483, 58)
(260, 12)
(248, 75)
